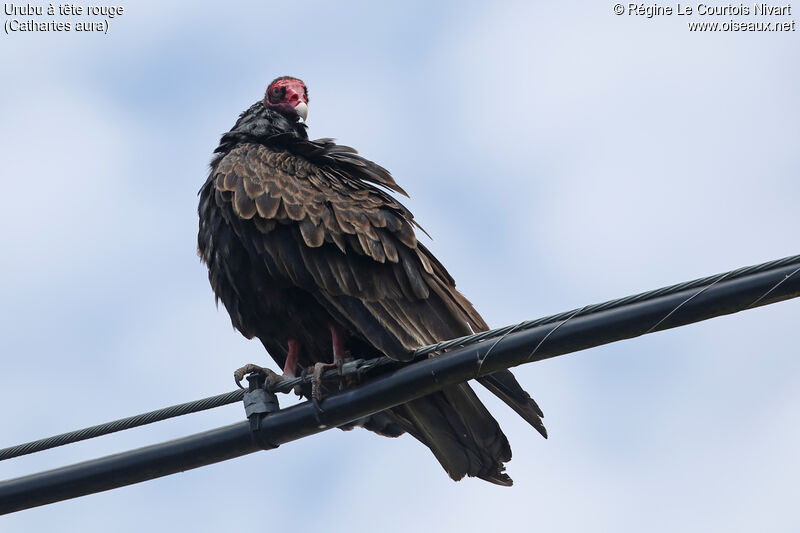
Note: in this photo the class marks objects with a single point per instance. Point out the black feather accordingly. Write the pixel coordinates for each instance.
(297, 238)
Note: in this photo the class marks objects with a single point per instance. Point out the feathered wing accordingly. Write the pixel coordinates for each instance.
(351, 246)
(314, 223)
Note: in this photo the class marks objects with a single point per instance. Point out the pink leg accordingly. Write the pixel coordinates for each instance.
(338, 345)
(291, 360)
(338, 358)
(289, 369)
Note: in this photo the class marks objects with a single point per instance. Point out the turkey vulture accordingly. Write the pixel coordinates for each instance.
(310, 254)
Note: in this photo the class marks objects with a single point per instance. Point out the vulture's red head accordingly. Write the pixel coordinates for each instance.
(289, 97)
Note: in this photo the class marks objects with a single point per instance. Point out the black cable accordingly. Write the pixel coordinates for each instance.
(362, 366)
(122, 424)
(578, 330)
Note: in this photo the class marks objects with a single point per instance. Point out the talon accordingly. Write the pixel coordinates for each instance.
(298, 389)
(250, 368)
(273, 378)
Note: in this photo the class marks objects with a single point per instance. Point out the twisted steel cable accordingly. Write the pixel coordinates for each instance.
(361, 366)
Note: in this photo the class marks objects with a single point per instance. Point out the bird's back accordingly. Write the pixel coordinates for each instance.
(299, 239)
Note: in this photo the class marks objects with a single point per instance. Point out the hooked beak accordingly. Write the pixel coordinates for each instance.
(302, 110)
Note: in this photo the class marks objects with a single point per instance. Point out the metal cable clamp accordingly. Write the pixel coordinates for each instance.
(258, 404)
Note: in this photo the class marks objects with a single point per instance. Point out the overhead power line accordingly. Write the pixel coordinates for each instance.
(575, 330)
(362, 366)
(121, 424)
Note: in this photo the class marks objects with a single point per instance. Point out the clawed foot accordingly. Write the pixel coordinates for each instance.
(316, 377)
(272, 377)
(319, 369)
(316, 372)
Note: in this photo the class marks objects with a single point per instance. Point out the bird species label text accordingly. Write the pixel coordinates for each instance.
(31, 18)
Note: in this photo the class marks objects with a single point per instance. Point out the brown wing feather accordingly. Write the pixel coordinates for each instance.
(352, 247)
(373, 255)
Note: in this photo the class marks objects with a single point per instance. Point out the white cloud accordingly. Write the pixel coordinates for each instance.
(559, 155)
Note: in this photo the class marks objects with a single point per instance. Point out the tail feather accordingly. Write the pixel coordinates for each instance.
(460, 431)
(504, 385)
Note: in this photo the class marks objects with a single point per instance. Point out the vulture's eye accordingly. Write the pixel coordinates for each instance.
(276, 90)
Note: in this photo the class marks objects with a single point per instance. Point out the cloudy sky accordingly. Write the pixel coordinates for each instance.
(559, 155)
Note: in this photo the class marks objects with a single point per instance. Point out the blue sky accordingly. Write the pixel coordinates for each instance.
(558, 155)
